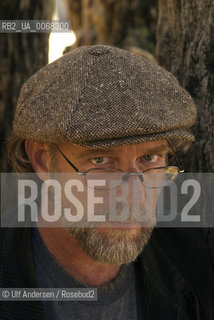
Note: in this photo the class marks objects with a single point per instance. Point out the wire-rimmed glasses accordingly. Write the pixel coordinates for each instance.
(152, 178)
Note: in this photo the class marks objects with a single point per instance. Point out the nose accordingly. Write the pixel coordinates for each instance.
(128, 174)
(132, 181)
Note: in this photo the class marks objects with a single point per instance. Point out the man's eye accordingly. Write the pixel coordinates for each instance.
(100, 160)
(151, 157)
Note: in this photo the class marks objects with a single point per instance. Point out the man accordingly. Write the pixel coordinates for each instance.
(100, 109)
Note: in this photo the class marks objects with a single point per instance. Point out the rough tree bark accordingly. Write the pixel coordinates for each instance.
(185, 46)
(122, 23)
(20, 56)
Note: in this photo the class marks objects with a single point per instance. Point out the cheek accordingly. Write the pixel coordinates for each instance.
(151, 197)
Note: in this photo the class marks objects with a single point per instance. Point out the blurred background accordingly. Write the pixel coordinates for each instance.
(176, 34)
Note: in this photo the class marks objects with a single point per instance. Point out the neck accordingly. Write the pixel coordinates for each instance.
(70, 255)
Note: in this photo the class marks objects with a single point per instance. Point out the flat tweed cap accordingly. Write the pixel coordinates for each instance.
(101, 96)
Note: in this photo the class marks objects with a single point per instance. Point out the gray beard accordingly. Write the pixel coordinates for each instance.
(113, 247)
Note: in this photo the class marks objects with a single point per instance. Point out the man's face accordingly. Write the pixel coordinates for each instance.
(116, 242)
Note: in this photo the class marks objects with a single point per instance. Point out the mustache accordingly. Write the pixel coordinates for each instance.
(133, 215)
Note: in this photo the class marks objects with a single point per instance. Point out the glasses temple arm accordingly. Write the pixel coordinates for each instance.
(173, 150)
(71, 164)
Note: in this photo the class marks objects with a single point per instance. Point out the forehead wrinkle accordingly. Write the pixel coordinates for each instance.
(157, 149)
(113, 151)
(92, 152)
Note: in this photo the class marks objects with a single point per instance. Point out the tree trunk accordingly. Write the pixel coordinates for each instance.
(185, 46)
(122, 23)
(20, 56)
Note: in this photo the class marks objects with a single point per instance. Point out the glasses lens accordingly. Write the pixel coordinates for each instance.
(108, 179)
(159, 177)
(103, 179)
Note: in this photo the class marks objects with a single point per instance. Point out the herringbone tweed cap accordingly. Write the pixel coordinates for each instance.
(102, 96)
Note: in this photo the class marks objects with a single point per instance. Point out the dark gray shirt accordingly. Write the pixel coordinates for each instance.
(120, 299)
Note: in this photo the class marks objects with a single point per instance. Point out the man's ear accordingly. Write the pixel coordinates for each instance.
(39, 156)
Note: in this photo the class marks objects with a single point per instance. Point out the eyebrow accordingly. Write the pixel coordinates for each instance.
(107, 151)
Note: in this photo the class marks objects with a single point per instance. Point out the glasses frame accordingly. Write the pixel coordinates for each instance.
(126, 174)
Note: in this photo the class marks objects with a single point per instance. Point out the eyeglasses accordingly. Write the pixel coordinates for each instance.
(109, 179)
